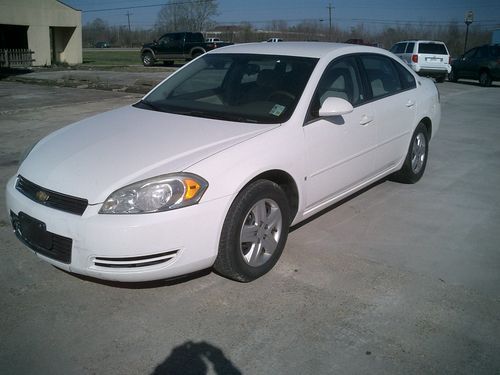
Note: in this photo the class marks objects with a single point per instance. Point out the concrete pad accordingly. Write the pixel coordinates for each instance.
(398, 279)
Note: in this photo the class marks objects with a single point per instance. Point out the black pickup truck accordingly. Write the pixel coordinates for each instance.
(176, 46)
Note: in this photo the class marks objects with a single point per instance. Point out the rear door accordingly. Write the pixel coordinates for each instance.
(392, 95)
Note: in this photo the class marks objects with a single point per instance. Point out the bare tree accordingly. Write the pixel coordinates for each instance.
(195, 15)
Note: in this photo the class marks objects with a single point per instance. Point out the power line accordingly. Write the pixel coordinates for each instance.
(146, 6)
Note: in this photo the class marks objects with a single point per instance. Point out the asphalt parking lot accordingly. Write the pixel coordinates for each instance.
(401, 279)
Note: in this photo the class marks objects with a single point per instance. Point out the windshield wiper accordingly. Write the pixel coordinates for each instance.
(218, 116)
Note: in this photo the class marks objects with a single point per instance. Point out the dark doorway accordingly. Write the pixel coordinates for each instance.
(13, 37)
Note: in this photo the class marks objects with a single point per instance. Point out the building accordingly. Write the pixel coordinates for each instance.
(49, 28)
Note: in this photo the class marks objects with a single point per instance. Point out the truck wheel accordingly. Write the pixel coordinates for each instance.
(147, 59)
(196, 54)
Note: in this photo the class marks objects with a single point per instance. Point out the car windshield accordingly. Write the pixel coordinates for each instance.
(234, 87)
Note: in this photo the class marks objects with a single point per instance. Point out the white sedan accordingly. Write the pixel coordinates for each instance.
(212, 167)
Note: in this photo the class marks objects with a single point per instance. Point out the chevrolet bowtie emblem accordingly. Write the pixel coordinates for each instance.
(42, 196)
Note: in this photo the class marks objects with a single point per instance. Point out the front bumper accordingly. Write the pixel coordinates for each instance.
(130, 248)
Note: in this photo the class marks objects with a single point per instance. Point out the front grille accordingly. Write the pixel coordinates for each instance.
(51, 198)
(135, 262)
(48, 244)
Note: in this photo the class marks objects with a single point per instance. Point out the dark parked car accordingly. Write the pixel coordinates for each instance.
(173, 46)
(481, 63)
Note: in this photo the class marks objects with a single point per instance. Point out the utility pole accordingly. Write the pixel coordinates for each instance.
(128, 17)
(330, 25)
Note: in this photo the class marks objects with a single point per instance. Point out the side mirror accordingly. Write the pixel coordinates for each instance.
(333, 106)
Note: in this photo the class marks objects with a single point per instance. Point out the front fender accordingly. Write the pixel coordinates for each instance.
(144, 50)
(230, 170)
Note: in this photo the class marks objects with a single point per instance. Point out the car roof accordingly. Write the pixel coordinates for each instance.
(302, 49)
(420, 41)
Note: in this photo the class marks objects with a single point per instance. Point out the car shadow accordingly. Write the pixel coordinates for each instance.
(473, 83)
(143, 284)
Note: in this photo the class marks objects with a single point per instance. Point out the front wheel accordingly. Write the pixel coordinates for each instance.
(254, 232)
(147, 59)
(416, 158)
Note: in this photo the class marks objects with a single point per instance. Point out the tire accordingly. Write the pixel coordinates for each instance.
(485, 79)
(254, 232)
(147, 59)
(440, 79)
(452, 77)
(416, 158)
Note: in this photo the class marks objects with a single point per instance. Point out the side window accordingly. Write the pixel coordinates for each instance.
(409, 47)
(165, 39)
(382, 75)
(341, 80)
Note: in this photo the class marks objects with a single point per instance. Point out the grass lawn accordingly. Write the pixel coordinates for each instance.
(111, 57)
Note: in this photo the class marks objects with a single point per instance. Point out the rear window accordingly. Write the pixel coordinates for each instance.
(432, 48)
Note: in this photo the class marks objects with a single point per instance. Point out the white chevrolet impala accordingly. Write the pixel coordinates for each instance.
(212, 167)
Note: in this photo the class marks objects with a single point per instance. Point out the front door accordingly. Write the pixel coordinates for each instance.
(339, 149)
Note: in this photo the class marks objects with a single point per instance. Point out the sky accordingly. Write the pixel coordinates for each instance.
(345, 13)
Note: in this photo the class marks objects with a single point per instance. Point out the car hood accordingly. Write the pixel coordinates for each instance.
(94, 157)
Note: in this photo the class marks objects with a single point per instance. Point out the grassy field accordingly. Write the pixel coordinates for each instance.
(111, 57)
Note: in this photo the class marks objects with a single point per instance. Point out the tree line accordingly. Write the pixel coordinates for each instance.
(198, 15)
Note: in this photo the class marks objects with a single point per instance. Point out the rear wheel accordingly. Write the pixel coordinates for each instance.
(254, 232)
(485, 79)
(416, 158)
(440, 79)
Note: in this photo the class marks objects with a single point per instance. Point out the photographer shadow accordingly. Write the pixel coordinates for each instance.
(196, 358)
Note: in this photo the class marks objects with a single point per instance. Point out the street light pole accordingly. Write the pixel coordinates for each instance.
(469, 18)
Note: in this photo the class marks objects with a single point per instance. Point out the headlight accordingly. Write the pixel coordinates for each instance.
(162, 193)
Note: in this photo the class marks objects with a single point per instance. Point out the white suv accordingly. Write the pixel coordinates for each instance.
(426, 57)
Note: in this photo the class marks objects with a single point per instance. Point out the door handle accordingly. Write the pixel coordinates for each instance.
(365, 120)
(410, 103)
